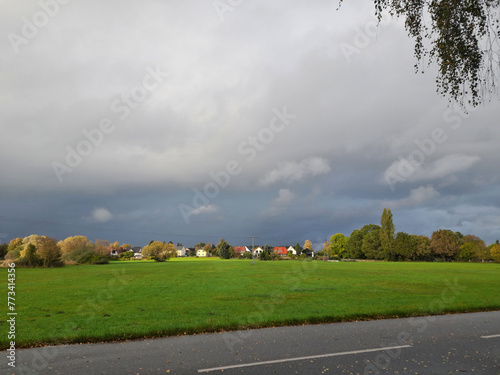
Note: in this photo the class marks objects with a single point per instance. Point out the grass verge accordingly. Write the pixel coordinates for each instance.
(130, 300)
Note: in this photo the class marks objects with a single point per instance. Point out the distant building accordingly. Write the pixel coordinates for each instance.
(201, 253)
(280, 250)
(240, 250)
(182, 251)
(258, 251)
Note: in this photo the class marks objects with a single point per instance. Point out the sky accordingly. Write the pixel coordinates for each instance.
(190, 121)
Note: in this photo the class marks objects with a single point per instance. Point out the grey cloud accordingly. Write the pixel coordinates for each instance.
(354, 118)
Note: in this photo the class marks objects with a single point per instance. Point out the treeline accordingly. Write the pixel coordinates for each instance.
(380, 242)
(43, 251)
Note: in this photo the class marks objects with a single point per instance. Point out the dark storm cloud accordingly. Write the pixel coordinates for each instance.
(144, 107)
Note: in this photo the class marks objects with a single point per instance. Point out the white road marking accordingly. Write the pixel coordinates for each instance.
(489, 337)
(302, 358)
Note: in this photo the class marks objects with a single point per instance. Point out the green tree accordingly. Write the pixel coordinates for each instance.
(372, 246)
(3, 250)
(405, 247)
(467, 251)
(423, 248)
(298, 248)
(445, 244)
(267, 249)
(387, 231)
(30, 256)
(354, 245)
(338, 245)
(224, 249)
(127, 255)
(460, 37)
(473, 248)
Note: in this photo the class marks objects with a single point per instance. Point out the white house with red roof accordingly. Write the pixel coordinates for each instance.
(280, 250)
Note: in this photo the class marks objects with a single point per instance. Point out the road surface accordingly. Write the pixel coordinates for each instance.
(439, 345)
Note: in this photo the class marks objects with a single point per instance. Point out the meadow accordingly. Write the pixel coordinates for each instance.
(137, 299)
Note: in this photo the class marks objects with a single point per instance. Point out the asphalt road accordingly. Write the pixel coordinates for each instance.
(439, 345)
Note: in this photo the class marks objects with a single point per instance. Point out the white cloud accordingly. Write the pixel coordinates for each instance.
(417, 196)
(408, 170)
(279, 204)
(293, 171)
(446, 166)
(205, 209)
(101, 215)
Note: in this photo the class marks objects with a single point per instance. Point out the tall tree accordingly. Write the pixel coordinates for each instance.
(460, 37)
(387, 231)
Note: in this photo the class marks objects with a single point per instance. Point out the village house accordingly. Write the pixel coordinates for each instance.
(240, 250)
(280, 250)
(182, 251)
(201, 253)
(257, 251)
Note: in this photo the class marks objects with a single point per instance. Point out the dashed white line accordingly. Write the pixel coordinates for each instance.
(302, 358)
(489, 337)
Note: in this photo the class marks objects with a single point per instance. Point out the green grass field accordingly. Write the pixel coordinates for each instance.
(125, 300)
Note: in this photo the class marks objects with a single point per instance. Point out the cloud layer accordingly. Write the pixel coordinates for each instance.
(117, 113)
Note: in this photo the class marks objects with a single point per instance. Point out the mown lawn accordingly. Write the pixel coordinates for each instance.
(136, 299)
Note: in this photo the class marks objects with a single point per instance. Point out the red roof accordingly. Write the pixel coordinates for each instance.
(280, 250)
(239, 249)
